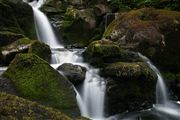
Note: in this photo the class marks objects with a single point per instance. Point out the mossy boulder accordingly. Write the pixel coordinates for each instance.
(24, 45)
(13, 107)
(20, 46)
(7, 19)
(78, 26)
(153, 32)
(102, 52)
(35, 79)
(40, 49)
(126, 83)
(75, 73)
(17, 21)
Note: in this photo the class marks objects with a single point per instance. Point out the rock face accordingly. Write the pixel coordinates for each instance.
(16, 20)
(127, 77)
(13, 107)
(102, 52)
(24, 45)
(78, 21)
(153, 32)
(40, 49)
(36, 80)
(78, 25)
(126, 85)
(75, 73)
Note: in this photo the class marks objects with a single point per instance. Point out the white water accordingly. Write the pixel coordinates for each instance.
(44, 29)
(161, 90)
(90, 97)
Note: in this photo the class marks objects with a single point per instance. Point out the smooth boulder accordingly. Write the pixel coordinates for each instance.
(75, 73)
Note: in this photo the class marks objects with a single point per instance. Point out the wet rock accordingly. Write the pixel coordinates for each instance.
(78, 26)
(16, 18)
(7, 86)
(130, 87)
(14, 107)
(40, 49)
(101, 9)
(36, 80)
(153, 32)
(9, 51)
(102, 52)
(9, 37)
(75, 73)
(24, 45)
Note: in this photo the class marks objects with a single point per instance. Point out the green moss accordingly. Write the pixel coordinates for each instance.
(36, 80)
(103, 48)
(78, 26)
(40, 49)
(15, 108)
(129, 70)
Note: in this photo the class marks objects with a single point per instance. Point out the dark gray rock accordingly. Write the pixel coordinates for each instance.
(75, 73)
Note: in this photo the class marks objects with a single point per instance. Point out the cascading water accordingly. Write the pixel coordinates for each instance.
(43, 27)
(90, 97)
(161, 90)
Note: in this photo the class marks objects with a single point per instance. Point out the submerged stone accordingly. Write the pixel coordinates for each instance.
(35, 79)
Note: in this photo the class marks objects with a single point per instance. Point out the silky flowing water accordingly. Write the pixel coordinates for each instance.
(91, 95)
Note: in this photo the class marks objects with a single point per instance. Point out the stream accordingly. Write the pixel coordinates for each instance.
(91, 95)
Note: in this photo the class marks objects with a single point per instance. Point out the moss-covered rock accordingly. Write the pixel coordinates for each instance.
(16, 17)
(24, 45)
(126, 85)
(40, 49)
(20, 46)
(8, 20)
(103, 52)
(15, 108)
(153, 32)
(78, 25)
(35, 79)
(24, 16)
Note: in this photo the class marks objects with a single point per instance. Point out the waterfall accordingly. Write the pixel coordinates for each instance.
(161, 90)
(90, 97)
(44, 29)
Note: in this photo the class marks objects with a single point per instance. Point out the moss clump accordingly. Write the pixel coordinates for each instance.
(129, 70)
(103, 51)
(13, 107)
(36, 80)
(40, 49)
